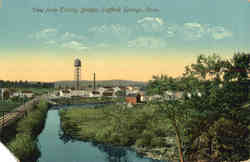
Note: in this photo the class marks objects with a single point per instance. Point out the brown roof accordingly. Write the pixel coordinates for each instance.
(107, 87)
(107, 94)
(96, 92)
(65, 91)
(122, 88)
(27, 92)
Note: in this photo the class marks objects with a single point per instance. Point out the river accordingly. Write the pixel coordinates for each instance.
(54, 149)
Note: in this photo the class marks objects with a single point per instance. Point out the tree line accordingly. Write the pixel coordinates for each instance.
(24, 84)
(215, 125)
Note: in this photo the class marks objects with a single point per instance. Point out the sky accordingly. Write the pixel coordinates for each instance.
(117, 39)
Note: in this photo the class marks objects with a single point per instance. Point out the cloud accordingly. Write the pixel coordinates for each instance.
(147, 42)
(151, 20)
(194, 31)
(51, 36)
(103, 45)
(114, 29)
(72, 36)
(74, 45)
(51, 42)
(197, 31)
(220, 32)
(47, 33)
(146, 32)
(110, 33)
(151, 24)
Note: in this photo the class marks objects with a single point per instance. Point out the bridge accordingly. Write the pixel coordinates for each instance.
(19, 112)
(11, 117)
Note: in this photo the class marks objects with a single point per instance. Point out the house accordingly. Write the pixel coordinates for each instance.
(96, 94)
(154, 97)
(133, 98)
(28, 94)
(116, 89)
(142, 99)
(122, 88)
(130, 88)
(64, 93)
(80, 93)
(108, 94)
(101, 90)
(179, 94)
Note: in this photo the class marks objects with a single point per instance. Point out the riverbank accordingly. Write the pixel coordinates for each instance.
(137, 127)
(26, 131)
(81, 100)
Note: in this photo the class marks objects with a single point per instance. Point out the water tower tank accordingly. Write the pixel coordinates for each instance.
(77, 63)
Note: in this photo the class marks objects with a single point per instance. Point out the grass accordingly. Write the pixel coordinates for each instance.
(24, 145)
(116, 125)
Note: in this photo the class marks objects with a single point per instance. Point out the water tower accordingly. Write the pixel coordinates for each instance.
(77, 75)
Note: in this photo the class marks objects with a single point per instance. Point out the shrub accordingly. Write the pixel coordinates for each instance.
(157, 142)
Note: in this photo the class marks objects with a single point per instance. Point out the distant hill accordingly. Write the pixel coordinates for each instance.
(101, 83)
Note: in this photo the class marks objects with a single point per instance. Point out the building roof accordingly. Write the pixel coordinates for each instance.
(27, 92)
(107, 87)
(96, 92)
(65, 91)
(107, 93)
(132, 95)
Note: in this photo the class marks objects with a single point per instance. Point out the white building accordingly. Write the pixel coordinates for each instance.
(154, 97)
(116, 89)
(80, 93)
(65, 93)
(101, 90)
(28, 94)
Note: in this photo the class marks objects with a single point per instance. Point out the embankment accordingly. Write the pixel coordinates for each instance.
(25, 145)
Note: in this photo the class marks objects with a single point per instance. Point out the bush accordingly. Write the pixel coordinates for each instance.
(24, 145)
(157, 142)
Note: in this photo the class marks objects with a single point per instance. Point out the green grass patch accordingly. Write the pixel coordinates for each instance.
(115, 125)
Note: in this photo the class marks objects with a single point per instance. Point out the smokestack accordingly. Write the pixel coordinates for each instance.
(94, 83)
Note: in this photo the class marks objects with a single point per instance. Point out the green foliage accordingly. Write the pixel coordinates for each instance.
(120, 93)
(157, 142)
(216, 119)
(162, 83)
(24, 145)
(114, 124)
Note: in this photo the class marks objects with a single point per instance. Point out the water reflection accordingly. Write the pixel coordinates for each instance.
(112, 153)
(55, 146)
